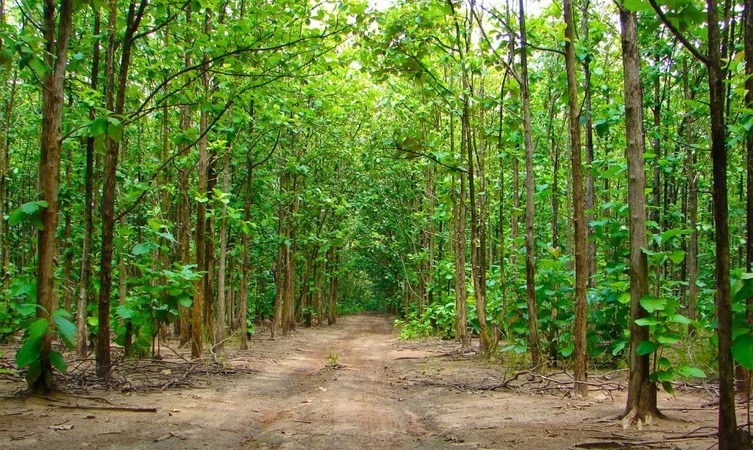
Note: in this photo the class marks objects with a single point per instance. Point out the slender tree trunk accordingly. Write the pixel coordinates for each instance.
(219, 336)
(198, 308)
(533, 327)
(579, 219)
(641, 399)
(332, 259)
(590, 201)
(748, 45)
(692, 210)
(133, 19)
(245, 263)
(84, 294)
(730, 437)
(49, 172)
(461, 293)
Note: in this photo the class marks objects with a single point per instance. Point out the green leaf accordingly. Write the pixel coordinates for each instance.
(677, 257)
(668, 338)
(30, 351)
(38, 328)
(58, 361)
(651, 303)
(668, 387)
(30, 208)
(185, 301)
(16, 216)
(26, 309)
(647, 321)
(679, 318)
(35, 371)
(664, 375)
(742, 350)
(688, 371)
(66, 329)
(98, 126)
(670, 234)
(636, 5)
(125, 312)
(746, 288)
(646, 348)
(141, 249)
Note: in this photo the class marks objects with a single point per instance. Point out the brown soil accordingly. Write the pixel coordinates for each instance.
(350, 386)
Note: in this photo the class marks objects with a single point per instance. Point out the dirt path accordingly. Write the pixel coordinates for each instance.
(351, 386)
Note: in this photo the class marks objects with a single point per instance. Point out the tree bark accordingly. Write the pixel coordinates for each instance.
(533, 328)
(641, 399)
(730, 437)
(56, 48)
(133, 19)
(82, 349)
(579, 219)
(219, 336)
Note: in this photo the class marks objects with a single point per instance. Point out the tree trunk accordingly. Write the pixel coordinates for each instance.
(332, 258)
(533, 327)
(49, 173)
(745, 375)
(133, 20)
(641, 399)
(730, 437)
(461, 293)
(590, 200)
(692, 209)
(219, 336)
(82, 347)
(581, 251)
(245, 263)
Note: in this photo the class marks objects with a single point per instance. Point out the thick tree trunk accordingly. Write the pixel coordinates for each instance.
(49, 172)
(641, 400)
(579, 219)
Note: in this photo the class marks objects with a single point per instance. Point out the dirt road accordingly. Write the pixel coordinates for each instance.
(351, 386)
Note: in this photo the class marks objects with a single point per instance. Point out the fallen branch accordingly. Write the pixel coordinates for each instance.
(107, 408)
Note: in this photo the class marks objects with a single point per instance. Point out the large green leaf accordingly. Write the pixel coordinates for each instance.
(58, 361)
(636, 5)
(30, 351)
(646, 348)
(651, 303)
(65, 328)
(688, 371)
(742, 350)
(38, 328)
(668, 338)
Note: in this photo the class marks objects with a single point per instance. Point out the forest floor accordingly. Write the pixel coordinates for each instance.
(354, 385)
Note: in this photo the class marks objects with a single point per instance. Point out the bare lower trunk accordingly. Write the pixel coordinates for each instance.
(579, 219)
(641, 400)
(49, 175)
